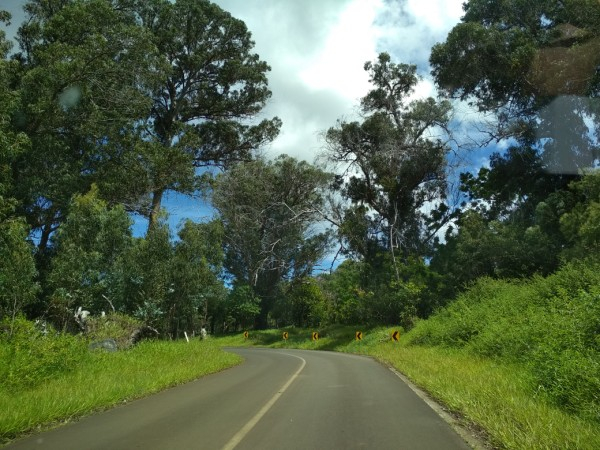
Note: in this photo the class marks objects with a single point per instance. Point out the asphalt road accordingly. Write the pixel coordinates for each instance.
(277, 399)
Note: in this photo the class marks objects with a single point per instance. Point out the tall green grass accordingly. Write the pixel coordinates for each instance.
(87, 381)
(496, 397)
(29, 358)
(550, 325)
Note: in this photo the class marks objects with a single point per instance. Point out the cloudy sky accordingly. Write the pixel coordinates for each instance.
(316, 50)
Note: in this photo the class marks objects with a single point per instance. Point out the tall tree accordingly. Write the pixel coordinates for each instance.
(198, 291)
(143, 282)
(214, 83)
(394, 164)
(533, 64)
(271, 213)
(241, 308)
(119, 93)
(17, 268)
(84, 68)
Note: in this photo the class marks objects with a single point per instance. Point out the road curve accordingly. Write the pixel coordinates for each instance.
(277, 399)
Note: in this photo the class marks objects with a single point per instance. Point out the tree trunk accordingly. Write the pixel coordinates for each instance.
(45, 237)
(155, 209)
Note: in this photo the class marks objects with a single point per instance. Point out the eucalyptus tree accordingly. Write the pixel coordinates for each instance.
(394, 163)
(272, 213)
(201, 109)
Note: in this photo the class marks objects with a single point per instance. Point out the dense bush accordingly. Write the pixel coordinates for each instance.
(119, 327)
(29, 356)
(381, 292)
(551, 324)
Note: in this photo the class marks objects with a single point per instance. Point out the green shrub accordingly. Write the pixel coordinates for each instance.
(29, 357)
(571, 279)
(569, 379)
(550, 325)
(112, 326)
(567, 362)
(463, 320)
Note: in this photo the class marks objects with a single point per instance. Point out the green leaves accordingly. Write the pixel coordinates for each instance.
(393, 84)
(242, 306)
(394, 166)
(153, 88)
(211, 84)
(533, 65)
(581, 225)
(515, 58)
(18, 287)
(270, 212)
(89, 246)
(84, 69)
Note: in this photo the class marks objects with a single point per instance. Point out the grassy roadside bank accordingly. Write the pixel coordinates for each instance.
(493, 396)
(104, 379)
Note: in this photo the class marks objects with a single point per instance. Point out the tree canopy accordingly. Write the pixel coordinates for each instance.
(394, 163)
(270, 212)
(106, 105)
(211, 85)
(534, 64)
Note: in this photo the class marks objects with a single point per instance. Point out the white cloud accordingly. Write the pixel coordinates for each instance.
(425, 88)
(409, 28)
(316, 50)
(436, 15)
(350, 43)
(317, 55)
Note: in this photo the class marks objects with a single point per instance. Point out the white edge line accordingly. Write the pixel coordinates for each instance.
(237, 438)
(471, 440)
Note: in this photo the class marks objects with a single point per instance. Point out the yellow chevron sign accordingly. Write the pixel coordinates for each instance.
(285, 335)
(395, 336)
(315, 336)
(245, 335)
(359, 335)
